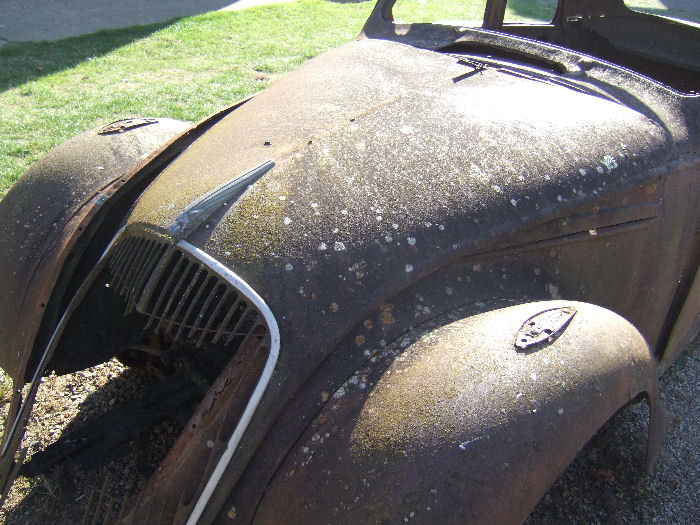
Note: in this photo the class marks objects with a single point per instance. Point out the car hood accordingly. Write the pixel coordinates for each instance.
(391, 156)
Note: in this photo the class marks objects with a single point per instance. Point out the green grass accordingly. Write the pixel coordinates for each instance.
(472, 10)
(658, 7)
(186, 70)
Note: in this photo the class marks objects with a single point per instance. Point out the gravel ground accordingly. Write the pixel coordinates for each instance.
(62, 403)
(606, 484)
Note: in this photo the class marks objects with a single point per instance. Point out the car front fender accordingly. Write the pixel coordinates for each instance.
(49, 205)
(459, 425)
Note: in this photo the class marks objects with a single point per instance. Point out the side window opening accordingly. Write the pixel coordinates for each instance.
(471, 13)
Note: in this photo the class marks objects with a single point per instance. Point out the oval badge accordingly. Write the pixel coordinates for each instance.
(543, 326)
(121, 126)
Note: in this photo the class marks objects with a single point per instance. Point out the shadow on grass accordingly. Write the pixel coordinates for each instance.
(679, 14)
(25, 61)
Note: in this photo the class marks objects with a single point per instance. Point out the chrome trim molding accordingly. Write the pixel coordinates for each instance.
(58, 331)
(261, 386)
(201, 209)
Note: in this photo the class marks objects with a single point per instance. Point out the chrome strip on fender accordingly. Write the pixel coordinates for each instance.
(58, 331)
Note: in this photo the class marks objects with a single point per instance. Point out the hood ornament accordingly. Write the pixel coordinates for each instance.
(203, 208)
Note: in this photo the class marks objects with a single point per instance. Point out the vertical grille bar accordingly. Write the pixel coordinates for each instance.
(210, 297)
(175, 293)
(117, 258)
(185, 296)
(239, 325)
(164, 292)
(146, 272)
(136, 265)
(226, 320)
(195, 301)
(134, 250)
(121, 262)
(212, 316)
(150, 286)
(179, 294)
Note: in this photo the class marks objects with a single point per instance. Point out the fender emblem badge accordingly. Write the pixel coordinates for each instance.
(544, 326)
(121, 126)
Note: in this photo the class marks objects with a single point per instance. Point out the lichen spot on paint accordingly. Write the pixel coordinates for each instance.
(609, 162)
(553, 291)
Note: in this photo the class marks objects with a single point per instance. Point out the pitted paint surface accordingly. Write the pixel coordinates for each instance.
(454, 418)
(414, 195)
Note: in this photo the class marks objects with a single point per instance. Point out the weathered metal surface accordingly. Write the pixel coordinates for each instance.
(46, 248)
(304, 234)
(52, 199)
(412, 183)
(450, 425)
(686, 325)
(277, 231)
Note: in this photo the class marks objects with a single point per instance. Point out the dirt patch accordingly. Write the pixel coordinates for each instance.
(71, 491)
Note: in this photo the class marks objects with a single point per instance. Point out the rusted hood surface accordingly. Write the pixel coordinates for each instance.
(386, 156)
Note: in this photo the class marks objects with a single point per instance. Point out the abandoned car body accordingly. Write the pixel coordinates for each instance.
(413, 277)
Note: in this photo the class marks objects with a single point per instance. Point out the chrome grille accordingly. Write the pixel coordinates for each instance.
(181, 296)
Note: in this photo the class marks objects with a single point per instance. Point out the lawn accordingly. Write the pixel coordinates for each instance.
(185, 70)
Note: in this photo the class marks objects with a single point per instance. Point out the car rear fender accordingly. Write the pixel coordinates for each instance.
(460, 425)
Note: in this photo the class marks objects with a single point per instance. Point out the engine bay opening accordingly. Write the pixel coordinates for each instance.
(201, 343)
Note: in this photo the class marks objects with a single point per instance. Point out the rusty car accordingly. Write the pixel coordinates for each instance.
(411, 279)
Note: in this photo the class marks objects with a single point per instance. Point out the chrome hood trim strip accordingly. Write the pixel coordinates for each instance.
(201, 209)
(261, 386)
